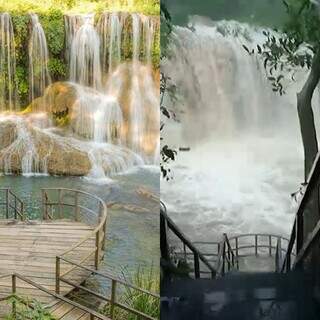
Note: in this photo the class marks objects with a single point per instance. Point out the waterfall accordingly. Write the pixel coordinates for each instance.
(72, 24)
(97, 116)
(8, 94)
(23, 149)
(85, 66)
(149, 33)
(110, 28)
(245, 153)
(136, 110)
(39, 77)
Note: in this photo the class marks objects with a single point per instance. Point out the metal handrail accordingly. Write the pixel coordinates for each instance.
(166, 223)
(114, 283)
(12, 201)
(93, 314)
(238, 248)
(297, 233)
(226, 255)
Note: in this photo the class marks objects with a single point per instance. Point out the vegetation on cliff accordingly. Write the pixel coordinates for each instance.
(51, 15)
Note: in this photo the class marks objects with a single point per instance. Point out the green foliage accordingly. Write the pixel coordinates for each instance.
(27, 310)
(53, 26)
(294, 47)
(146, 279)
(57, 69)
(150, 7)
(51, 15)
(167, 154)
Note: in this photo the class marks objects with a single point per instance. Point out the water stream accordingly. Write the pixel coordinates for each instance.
(39, 77)
(8, 81)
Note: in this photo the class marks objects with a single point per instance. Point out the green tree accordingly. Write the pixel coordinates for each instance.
(298, 46)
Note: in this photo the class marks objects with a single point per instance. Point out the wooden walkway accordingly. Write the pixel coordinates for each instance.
(65, 311)
(31, 250)
(44, 260)
(35, 250)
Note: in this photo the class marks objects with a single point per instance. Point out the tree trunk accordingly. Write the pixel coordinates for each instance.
(306, 117)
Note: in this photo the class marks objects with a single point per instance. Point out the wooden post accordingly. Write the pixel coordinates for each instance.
(113, 297)
(44, 206)
(57, 275)
(96, 259)
(164, 245)
(76, 207)
(288, 262)
(185, 252)
(104, 227)
(196, 265)
(22, 212)
(14, 291)
(7, 203)
(59, 203)
(270, 246)
(256, 244)
(15, 207)
(223, 257)
(299, 231)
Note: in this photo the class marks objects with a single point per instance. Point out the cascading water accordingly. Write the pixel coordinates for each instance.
(96, 116)
(23, 149)
(136, 111)
(110, 28)
(39, 77)
(246, 155)
(8, 95)
(85, 66)
(109, 65)
(72, 24)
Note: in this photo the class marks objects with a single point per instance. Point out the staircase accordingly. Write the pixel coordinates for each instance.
(212, 285)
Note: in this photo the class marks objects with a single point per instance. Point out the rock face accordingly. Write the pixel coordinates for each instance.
(58, 97)
(66, 98)
(26, 149)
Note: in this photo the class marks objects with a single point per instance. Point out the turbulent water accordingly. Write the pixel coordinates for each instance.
(246, 152)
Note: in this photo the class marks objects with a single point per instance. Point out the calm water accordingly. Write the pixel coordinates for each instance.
(133, 239)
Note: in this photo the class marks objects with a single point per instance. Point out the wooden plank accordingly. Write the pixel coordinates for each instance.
(31, 250)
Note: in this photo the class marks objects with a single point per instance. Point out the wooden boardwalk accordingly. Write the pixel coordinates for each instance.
(46, 259)
(72, 227)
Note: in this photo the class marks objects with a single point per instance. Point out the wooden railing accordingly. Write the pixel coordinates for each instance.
(166, 226)
(62, 203)
(12, 205)
(15, 293)
(112, 299)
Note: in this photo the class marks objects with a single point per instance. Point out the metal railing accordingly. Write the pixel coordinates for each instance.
(239, 247)
(227, 259)
(63, 203)
(112, 299)
(12, 205)
(305, 235)
(166, 225)
(14, 292)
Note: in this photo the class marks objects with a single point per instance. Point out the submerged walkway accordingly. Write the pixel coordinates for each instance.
(72, 227)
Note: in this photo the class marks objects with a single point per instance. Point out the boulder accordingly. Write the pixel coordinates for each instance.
(22, 145)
